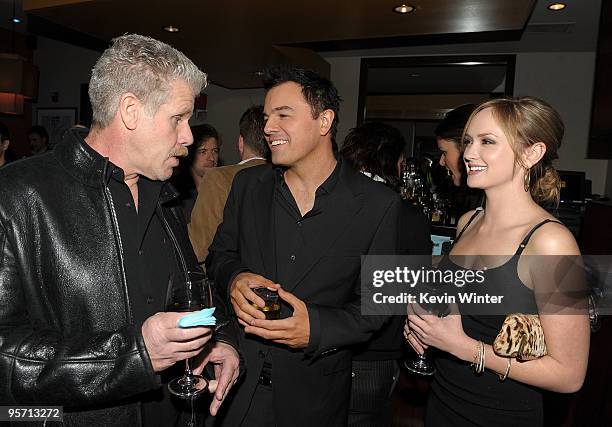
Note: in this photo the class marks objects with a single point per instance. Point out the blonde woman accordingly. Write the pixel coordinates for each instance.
(509, 145)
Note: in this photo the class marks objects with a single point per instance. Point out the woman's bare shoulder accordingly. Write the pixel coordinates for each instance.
(552, 238)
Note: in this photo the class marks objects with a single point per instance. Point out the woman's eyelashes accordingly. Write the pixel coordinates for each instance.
(483, 141)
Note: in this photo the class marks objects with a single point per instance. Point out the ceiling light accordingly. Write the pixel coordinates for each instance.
(171, 29)
(16, 20)
(557, 6)
(404, 8)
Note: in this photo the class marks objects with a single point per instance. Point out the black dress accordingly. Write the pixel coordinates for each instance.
(460, 398)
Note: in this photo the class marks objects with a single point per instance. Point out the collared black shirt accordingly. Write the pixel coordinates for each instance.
(297, 235)
(148, 254)
(149, 261)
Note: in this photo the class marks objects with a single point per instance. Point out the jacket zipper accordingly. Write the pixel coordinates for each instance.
(111, 205)
(174, 241)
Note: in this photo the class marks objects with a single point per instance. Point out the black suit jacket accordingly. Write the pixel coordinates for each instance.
(312, 385)
(414, 239)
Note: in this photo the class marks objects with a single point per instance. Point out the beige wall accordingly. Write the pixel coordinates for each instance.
(63, 68)
(345, 75)
(565, 80)
(224, 109)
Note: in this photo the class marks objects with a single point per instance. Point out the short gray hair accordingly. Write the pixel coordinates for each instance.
(140, 65)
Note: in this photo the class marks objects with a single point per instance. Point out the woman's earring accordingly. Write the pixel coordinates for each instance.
(527, 180)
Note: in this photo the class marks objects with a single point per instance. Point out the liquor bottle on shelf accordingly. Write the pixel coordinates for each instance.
(451, 214)
(438, 214)
(408, 180)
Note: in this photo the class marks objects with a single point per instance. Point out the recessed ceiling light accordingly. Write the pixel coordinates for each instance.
(403, 8)
(557, 6)
(171, 29)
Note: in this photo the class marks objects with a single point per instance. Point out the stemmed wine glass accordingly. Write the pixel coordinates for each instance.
(190, 293)
(420, 364)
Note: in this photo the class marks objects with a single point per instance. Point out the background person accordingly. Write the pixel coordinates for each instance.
(215, 187)
(5, 142)
(202, 156)
(375, 149)
(38, 139)
(449, 133)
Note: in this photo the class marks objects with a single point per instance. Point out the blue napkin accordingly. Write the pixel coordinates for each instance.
(199, 318)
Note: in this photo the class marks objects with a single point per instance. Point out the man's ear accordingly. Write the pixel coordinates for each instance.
(240, 145)
(326, 118)
(130, 110)
(533, 154)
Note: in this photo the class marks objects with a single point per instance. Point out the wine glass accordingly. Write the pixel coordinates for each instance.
(189, 293)
(420, 364)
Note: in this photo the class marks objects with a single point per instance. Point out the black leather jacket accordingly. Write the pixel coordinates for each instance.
(66, 332)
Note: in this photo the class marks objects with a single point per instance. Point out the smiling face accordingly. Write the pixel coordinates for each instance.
(293, 135)
(488, 156)
(206, 156)
(450, 158)
(160, 139)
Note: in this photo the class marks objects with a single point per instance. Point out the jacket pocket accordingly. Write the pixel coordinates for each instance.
(335, 362)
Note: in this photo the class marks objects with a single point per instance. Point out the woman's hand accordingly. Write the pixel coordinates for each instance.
(411, 338)
(444, 333)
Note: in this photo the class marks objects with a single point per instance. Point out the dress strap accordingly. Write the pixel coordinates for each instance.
(478, 210)
(519, 251)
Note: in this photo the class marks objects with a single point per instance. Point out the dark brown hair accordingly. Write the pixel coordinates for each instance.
(376, 148)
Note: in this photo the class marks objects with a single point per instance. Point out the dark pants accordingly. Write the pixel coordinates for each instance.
(372, 385)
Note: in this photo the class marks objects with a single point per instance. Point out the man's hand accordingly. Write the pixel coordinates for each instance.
(242, 296)
(226, 366)
(293, 331)
(167, 343)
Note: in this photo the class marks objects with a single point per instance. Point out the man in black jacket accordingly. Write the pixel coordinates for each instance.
(302, 223)
(90, 238)
(375, 149)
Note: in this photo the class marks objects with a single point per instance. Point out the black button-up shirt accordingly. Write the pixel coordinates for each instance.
(148, 254)
(297, 235)
(149, 260)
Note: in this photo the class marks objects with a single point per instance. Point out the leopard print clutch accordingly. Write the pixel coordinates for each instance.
(521, 336)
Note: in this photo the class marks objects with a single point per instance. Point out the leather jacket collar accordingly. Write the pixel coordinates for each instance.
(79, 159)
(88, 166)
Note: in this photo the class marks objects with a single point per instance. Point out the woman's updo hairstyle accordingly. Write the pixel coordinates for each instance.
(526, 121)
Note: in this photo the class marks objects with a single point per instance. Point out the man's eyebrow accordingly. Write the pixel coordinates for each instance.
(283, 108)
(185, 111)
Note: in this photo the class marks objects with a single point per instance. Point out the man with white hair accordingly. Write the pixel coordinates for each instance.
(90, 238)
